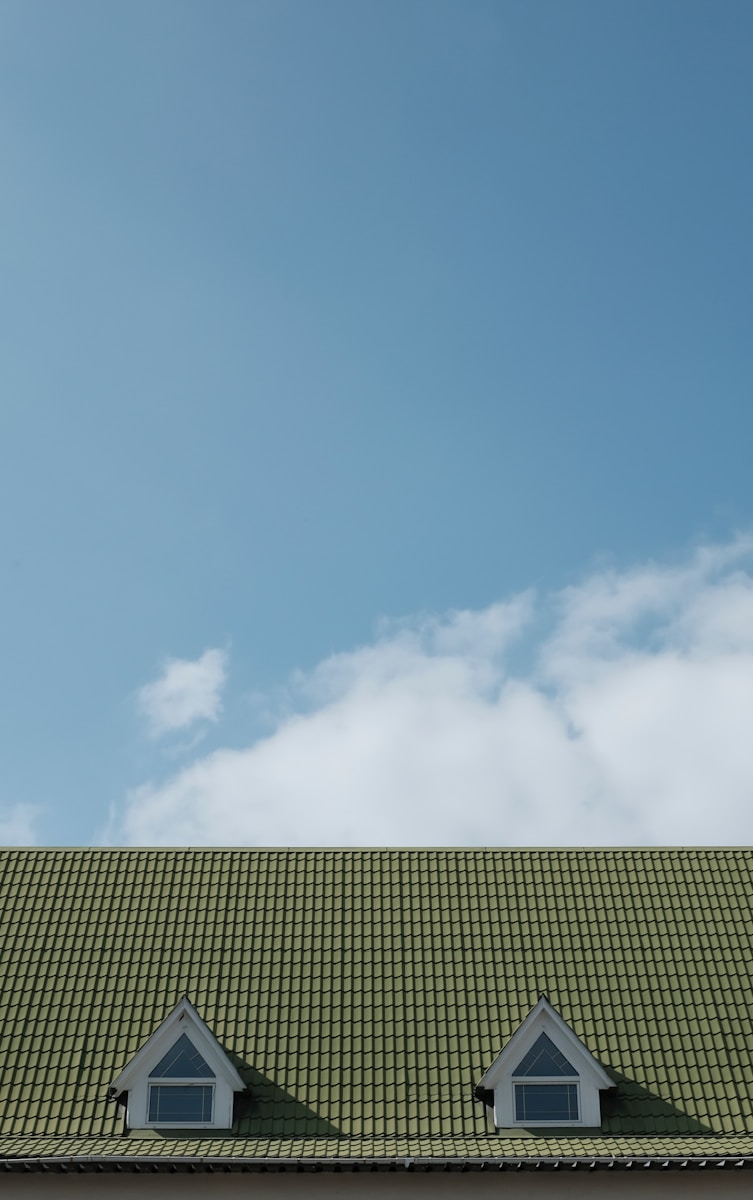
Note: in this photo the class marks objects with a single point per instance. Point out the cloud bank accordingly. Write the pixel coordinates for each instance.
(187, 691)
(631, 723)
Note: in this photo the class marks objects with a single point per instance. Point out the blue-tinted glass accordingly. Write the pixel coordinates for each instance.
(183, 1061)
(176, 1105)
(536, 1102)
(545, 1059)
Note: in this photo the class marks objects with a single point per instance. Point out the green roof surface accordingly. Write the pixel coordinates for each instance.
(361, 994)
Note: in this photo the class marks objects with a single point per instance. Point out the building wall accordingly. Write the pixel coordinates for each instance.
(652, 1184)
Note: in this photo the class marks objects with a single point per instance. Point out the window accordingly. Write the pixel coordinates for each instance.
(550, 1100)
(183, 1101)
(183, 1061)
(180, 1105)
(539, 1103)
(544, 1059)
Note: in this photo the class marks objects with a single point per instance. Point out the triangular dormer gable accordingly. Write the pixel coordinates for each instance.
(180, 1078)
(545, 1075)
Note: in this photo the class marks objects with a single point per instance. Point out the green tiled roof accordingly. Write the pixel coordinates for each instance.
(381, 1151)
(362, 994)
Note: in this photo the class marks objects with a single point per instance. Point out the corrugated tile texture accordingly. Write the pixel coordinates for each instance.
(323, 1150)
(363, 993)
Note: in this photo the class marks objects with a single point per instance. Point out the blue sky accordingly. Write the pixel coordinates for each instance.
(348, 350)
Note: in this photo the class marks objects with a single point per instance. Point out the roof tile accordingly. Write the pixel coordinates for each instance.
(355, 985)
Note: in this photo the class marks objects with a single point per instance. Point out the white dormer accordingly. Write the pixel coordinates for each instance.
(545, 1076)
(181, 1077)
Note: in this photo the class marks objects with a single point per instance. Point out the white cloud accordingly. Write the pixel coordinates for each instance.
(17, 825)
(633, 725)
(186, 692)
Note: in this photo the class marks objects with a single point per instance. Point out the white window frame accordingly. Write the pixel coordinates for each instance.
(545, 1080)
(193, 1081)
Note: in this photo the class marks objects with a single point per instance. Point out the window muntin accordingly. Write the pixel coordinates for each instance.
(175, 1104)
(182, 1061)
(544, 1059)
(546, 1103)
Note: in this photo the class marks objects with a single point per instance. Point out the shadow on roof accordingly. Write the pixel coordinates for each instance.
(633, 1109)
(266, 1110)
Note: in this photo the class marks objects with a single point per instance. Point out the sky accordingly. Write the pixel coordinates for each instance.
(376, 416)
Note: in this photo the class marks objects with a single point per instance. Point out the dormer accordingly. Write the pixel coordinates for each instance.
(181, 1077)
(545, 1076)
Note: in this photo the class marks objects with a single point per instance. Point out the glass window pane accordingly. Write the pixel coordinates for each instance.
(183, 1061)
(536, 1102)
(174, 1105)
(545, 1059)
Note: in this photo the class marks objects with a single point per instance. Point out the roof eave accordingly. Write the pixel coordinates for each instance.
(176, 1164)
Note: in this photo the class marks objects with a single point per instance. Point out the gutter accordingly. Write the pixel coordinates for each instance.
(114, 1164)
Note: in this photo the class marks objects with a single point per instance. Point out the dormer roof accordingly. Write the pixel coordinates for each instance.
(182, 1021)
(544, 1019)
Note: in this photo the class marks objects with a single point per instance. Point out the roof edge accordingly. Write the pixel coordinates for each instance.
(194, 1165)
(223, 849)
